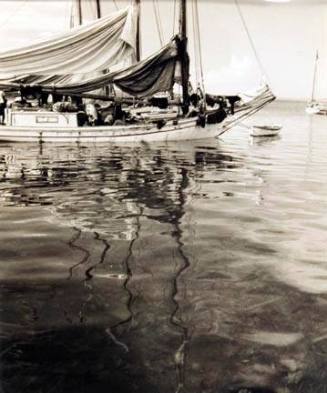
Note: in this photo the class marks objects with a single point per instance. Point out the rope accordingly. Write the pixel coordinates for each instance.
(158, 21)
(174, 18)
(264, 74)
(69, 14)
(197, 48)
(197, 77)
(117, 8)
(199, 43)
(72, 14)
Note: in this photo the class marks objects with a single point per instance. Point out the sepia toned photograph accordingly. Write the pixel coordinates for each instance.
(163, 196)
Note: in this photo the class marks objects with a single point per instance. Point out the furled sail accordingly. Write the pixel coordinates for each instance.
(93, 47)
(85, 11)
(153, 74)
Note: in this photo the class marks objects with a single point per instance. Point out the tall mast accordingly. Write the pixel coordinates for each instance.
(98, 9)
(79, 9)
(138, 30)
(184, 59)
(99, 15)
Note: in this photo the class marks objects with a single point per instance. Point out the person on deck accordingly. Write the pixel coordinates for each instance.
(92, 114)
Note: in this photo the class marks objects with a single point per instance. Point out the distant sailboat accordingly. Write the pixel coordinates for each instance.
(106, 52)
(315, 107)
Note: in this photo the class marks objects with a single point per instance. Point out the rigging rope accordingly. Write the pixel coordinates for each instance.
(158, 21)
(199, 43)
(68, 13)
(262, 69)
(197, 77)
(198, 48)
(117, 8)
(174, 18)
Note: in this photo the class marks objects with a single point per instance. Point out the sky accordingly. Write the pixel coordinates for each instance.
(286, 36)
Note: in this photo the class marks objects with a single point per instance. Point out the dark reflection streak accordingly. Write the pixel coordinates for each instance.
(72, 244)
(129, 272)
(129, 275)
(310, 144)
(89, 275)
(174, 320)
(177, 322)
(40, 149)
(107, 246)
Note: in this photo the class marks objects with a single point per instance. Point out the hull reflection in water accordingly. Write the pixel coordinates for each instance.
(168, 268)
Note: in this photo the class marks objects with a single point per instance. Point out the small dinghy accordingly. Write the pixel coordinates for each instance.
(265, 130)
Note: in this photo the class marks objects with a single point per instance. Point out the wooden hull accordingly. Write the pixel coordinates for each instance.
(186, 129)
(51, 129)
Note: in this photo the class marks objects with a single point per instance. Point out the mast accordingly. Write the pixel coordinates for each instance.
(315, 77)
(184, 59)
(98, 9)
(79, 10)
(106, 89)
(138, 30)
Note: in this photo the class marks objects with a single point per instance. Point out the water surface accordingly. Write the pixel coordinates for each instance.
(197, 267)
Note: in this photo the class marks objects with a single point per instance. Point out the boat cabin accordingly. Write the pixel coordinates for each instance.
(35, 118)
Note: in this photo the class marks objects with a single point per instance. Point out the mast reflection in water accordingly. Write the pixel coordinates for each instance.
(169, 268)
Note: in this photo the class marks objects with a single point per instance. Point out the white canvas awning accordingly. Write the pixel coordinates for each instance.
(93, 47)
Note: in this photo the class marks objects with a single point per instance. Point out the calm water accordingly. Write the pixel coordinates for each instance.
(198, 267)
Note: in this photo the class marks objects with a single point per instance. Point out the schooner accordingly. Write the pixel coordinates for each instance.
(91, 85)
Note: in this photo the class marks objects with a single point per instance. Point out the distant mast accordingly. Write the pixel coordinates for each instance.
(315, 77)
(184, 59)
